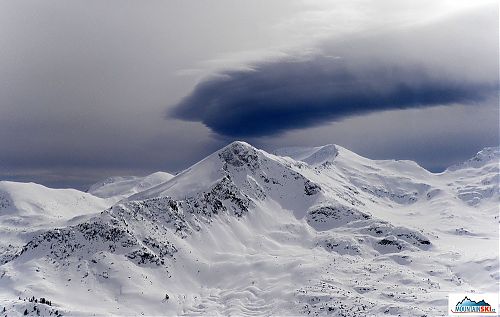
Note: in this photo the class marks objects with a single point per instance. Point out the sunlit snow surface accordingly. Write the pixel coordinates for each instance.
(243, 232)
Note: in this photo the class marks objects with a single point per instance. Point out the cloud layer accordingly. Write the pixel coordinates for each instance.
(411, 68)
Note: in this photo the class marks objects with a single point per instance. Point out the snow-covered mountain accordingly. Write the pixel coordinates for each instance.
(27, 209)
(305, 231)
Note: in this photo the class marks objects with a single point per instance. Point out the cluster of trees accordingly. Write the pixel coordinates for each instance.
(42, 301)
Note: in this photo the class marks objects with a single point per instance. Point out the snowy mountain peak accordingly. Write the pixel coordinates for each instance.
(483, 157)
(240, 153)
(241, 169)
(240, 144)
(311, 155)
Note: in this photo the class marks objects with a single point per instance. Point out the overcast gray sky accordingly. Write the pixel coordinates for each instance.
(90, 89)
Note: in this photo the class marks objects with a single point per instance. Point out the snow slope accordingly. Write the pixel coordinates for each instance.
(318, 231)
(125, 186)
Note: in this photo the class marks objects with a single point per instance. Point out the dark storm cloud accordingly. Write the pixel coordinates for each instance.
(277, 96)
(441, 64)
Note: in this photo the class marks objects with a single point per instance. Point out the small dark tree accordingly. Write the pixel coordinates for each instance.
(26, 312)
